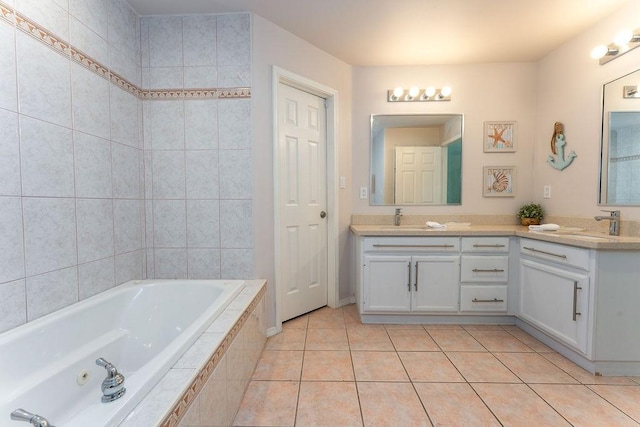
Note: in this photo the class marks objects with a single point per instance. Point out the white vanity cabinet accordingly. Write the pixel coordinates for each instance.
(410, 274)
(484, 273)
(555, 285)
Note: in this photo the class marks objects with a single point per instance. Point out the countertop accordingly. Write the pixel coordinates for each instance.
(566, 236)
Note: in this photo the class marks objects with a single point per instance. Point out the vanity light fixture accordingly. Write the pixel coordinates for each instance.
(416, 94)
(624, 41)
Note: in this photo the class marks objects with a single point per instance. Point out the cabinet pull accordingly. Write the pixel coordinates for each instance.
(412, 246)
(493, 270)
(475, 245)
(544, 252)
(576, 288)
(487, 300)
(415, 286)
(409, 282)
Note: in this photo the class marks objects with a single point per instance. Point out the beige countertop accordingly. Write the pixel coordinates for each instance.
(566, 236)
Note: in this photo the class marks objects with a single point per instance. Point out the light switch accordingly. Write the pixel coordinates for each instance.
(547, 192)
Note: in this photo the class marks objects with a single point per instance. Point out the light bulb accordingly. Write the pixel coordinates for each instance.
(414, 91)
(623, 37)
(430, 91)
(397, 92)
(446, 91)
(599, 51)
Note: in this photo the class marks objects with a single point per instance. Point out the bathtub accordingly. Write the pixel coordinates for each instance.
(141, 327)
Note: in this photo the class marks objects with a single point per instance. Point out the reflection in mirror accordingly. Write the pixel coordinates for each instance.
(416, 159)
(620, 158)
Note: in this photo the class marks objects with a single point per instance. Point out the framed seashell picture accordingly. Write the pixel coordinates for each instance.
(499, 181)
(499, 137)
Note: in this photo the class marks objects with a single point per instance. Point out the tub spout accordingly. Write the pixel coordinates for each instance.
(34, 419)
(113, 385)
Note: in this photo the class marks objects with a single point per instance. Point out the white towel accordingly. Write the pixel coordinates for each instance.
(544, 227)
(433, 224)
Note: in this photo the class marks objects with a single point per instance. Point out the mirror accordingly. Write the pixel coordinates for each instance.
(416, 159)
(620, 153)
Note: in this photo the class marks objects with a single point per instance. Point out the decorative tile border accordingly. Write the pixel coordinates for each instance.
(39, 33)
(180, 408)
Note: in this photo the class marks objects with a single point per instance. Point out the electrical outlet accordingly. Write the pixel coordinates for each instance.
(547, 192)
(363, 193)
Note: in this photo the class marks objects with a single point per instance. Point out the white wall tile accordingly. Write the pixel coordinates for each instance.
(236, 263)
(200, 77)
(95, 229)
(204, 263)
(128, 225)
(144, 41)
(13, 304)
(168, 174)
(202, 174)
(234, 40)
(234, 76)
(124, 28)
(234, 119)
(125, 166)
(170, 263)
(199, 44)
(48, 14)
(124, 65)
(90, 104)
(44, 88)
(165, 41)
(92, 166)
(203, 224)
(125, 118)
(46, 153)
(11, 240)
(88, 41)
(52, 291)
(8, 85)
(169, 224)
(167, 125)
(92, 13)
(236, 224)
(9, 154)
(201, 124)
(236, 174)
(164, 78)
(95, 277)
(129, 266)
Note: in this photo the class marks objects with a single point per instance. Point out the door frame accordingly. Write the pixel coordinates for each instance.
(280, 75)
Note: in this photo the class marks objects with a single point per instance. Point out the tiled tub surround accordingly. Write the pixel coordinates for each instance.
(72, 171)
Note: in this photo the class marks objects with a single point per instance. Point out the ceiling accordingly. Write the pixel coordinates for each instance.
(415, 32)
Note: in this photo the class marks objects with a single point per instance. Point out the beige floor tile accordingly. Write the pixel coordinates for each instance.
(482, 327)
(533, 368)
(498, 340)
(412, 340)
(582, 375)
(429, 367)
(517, 405)
(455, 340)
(625, 398)
(328, 404)
(279, 365)
(350, 313)
(327, 339)
(581, 406)
(299, 322)
(268, 403)
(366, 338)
(327, 366)
(288, 339)
(438, 326)
(635, 379)
(378, 366)
(326, 318)
(391, 404)
(402, 326)
(481, 367)
(454, 405)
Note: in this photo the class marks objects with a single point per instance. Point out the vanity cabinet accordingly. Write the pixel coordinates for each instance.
(484, 273)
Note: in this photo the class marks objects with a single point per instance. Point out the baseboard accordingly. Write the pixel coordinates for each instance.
(273, 331)
(347, 301)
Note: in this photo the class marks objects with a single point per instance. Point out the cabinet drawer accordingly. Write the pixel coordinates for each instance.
(484, 268)
(485, 244)
(561, 254)
(412, 244)
(483, 298)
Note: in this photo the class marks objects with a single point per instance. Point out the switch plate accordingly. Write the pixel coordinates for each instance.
(363, 193)
(547, 192)
(343, 182)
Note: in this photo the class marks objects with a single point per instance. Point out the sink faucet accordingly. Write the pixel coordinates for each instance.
(113, 385)
(396, 220)
(614, 222)
(34, 419)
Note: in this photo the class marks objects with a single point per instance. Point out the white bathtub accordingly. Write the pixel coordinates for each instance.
(142, 327)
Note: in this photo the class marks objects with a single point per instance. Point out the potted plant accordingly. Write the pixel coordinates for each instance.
(530, 213)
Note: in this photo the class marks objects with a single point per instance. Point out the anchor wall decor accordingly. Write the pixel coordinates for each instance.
(557, 147)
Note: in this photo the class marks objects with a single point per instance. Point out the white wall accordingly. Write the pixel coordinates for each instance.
(569, 90)
(274, 46)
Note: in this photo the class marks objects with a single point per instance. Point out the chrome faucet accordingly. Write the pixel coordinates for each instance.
(614, 222)
(396, 220)
(34, 419)
(113, 385)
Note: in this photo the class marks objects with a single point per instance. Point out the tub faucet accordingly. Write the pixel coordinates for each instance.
(34, 419)
(614, 222)
(396, 220)
(113, 385)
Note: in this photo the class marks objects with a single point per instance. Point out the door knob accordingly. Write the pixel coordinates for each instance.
(323, 214)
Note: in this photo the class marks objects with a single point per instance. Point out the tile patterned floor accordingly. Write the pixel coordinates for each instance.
(328, 369)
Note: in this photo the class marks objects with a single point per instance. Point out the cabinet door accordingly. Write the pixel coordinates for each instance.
(436, 283)
(556, 301)
(387, 283)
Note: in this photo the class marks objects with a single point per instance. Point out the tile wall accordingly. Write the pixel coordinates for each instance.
(624, 178)
(76, 134)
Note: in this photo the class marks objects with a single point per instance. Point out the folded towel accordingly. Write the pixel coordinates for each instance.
(433, 224)
(544, 227)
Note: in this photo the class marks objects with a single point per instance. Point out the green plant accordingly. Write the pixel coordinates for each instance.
(530, 210)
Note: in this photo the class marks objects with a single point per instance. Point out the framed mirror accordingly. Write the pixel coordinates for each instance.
(620, 153)
(416, 159)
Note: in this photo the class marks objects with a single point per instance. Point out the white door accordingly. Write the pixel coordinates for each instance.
(303, 193)
(418, 175)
